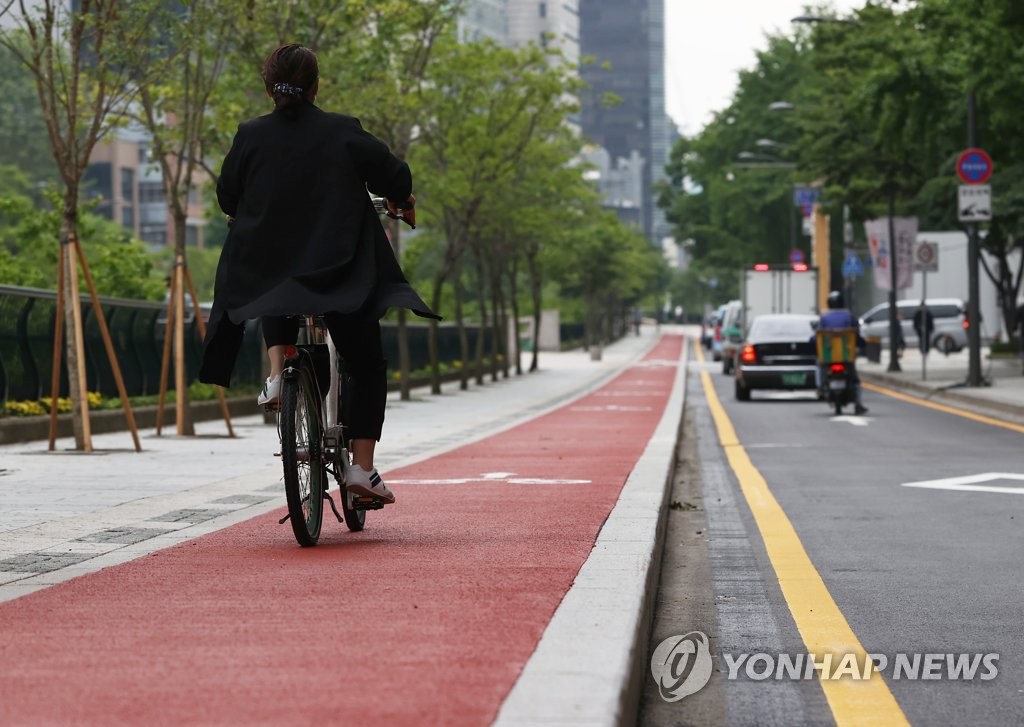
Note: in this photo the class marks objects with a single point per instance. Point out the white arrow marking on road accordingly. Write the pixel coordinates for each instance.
(857, 421)
(970, 483)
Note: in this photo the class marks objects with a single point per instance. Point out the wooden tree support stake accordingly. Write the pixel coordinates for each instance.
(108, 344)
(58, 349)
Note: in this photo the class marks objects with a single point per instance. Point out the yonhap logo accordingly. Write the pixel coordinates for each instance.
(681, 665)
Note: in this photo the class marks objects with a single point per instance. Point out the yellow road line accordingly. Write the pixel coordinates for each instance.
(942, 407)
(699, 349)
(818, 619)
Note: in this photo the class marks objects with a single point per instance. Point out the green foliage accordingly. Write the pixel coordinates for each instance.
(29, 234)
(879, 112)
(23, 138)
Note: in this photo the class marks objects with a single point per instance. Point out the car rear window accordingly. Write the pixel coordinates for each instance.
(796, 329)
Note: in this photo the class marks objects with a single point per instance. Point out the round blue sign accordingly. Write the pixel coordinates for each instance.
(974, 166)
(796, 255)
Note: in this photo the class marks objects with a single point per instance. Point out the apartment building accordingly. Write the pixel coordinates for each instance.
(127, 185)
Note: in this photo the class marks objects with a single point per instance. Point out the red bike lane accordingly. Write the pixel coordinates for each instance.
(426, 617)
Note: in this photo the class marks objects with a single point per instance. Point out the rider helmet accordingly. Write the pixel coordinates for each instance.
(835, 299)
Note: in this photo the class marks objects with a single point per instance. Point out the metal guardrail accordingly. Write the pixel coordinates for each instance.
(27, 318)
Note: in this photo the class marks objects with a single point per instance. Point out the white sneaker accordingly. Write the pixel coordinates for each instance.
(360, 482)
(271, 392)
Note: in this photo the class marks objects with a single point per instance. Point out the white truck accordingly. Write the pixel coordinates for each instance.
(778, 289)
(767, 289)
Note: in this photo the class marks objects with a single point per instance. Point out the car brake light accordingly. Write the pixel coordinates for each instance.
(800, 267)
(837, 368)
(748, 355)
(967, 323)
(718, 333)
(761, 267)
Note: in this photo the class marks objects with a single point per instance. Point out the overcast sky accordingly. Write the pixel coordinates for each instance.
(708, 41)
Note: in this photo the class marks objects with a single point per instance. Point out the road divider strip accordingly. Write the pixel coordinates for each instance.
(821, 624)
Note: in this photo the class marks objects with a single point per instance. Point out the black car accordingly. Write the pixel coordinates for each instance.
(778, 353)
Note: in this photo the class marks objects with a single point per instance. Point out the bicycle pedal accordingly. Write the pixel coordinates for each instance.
(365, 502)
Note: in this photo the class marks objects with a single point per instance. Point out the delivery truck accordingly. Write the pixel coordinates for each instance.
(767, 289)
(778, 289)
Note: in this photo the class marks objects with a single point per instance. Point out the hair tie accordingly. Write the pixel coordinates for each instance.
(287, 88)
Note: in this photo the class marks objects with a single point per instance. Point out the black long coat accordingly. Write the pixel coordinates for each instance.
(305, 237)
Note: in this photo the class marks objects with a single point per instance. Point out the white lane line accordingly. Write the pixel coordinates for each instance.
(503, 477)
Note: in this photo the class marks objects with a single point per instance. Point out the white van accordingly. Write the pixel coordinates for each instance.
(949, 316)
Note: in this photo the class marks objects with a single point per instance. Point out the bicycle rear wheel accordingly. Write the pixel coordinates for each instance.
(305, 476)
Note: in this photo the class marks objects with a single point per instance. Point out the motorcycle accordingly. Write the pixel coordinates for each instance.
(838, 384)
(837, 351)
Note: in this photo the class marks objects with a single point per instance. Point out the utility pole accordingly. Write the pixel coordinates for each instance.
(895, 334)
(973, 307)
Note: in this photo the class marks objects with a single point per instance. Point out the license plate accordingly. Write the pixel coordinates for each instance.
(793, 379)
(837, 385)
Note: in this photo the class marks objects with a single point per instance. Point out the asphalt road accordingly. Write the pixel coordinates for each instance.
(911, 570)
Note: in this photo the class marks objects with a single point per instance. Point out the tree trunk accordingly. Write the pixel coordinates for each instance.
(404, 364)
(463, 338)
(183, 412)
(514, 297)
(497, 344)
(435, 371)
(78, 387)
(535, 298)
(481, 293)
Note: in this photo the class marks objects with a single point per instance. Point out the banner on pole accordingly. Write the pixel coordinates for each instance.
(880, 250)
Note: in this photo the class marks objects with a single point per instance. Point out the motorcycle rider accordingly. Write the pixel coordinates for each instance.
(837, 316)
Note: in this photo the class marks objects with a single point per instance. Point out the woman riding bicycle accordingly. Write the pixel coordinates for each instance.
(305, 239)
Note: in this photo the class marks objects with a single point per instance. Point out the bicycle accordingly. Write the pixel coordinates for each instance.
(311, 430)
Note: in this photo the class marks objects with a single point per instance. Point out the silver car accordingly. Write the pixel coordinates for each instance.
(948, 316)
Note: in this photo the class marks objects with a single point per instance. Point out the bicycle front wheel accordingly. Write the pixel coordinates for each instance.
(305, 476)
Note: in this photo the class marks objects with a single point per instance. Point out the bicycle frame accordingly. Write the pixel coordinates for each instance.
(316, 358)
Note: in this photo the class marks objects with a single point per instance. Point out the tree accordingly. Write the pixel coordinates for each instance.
(81, 61)
(122, 268)
(977, 46)
(393, 48)
(486, 106)
(174, 110)
(735, 215)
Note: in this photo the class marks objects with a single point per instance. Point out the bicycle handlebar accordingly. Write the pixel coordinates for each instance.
(408, 216)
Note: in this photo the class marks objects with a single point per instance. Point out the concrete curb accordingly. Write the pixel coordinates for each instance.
(591, 660)
(950, 397)
(35, 428)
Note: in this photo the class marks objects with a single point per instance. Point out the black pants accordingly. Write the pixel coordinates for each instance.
(357, 338)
